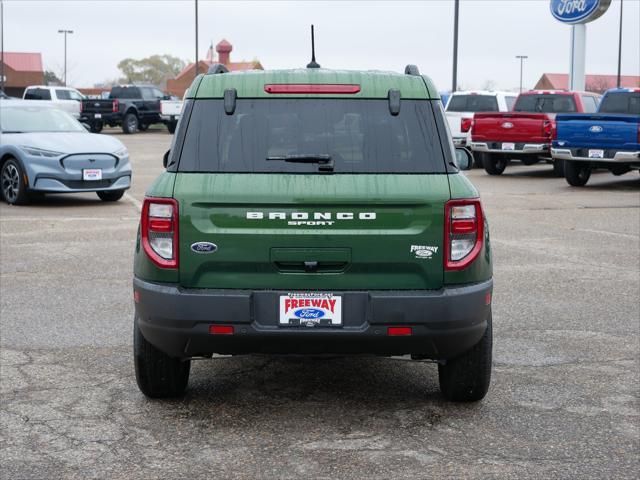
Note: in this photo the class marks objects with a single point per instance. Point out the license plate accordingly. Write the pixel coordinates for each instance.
(508, 146)
(310, 310)
(98, 115)
(92, 174)
(596, 153)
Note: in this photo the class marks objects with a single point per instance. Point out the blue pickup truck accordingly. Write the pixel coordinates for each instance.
(608, 139)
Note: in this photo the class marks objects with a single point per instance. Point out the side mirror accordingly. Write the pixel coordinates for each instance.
(165, 158)
(166, 97)
(464, 159)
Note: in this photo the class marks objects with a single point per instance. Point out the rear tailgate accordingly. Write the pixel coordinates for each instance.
(362, 230)
(454, 119)
(171, 107)
(608, 131)
(510, 127)
(97, 105)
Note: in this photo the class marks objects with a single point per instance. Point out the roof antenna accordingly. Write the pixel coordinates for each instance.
(312, 63)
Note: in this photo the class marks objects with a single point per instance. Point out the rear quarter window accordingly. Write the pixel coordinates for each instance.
(361, 136)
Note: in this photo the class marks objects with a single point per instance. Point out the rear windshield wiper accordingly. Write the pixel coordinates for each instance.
(323, 159)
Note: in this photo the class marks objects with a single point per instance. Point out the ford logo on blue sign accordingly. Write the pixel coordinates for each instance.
(303, 313)
(578, 11)
(204, 247)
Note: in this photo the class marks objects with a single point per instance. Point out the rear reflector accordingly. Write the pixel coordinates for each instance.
(292, 88)
(399, 331)
(221, 329)
(136, 296)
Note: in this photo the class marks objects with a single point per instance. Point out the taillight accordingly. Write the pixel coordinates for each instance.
(464, 233)
(115, 106)
(548, 129)
(465, 124)
(317, 88)
(159, 231)
(638, 133)
(81, 107)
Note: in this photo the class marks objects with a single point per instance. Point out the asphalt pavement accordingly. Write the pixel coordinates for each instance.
(564, 399)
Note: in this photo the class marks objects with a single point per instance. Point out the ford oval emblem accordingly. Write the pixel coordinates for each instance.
(308, 313)
(595, 129)
(204, 247)
(578, 11)
(507, 125)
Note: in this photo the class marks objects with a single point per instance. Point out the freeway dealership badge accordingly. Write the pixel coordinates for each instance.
(310, 310)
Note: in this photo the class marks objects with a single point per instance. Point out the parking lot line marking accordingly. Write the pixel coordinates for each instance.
(134, 201)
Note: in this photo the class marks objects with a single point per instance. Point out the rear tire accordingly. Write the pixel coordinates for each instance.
(577, 173)
(558, 168)
(110, 195)
(130, 123)
(96, 127)
(157, 374)
(143, 127)
(13, 184)
(467, 377)
(494, 164)
(478, 159)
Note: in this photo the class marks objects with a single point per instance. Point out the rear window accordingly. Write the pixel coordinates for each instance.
(360, 136)
(37, 94)
(125, 92)
(548, 103)
(473, 103)
(622, 102)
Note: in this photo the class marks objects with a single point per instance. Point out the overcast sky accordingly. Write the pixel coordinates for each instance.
(351, 35)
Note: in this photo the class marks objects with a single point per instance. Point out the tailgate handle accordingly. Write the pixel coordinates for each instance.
(310, 267)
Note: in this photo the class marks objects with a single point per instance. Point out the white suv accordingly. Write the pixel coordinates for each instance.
(65, 98)
(462, 105)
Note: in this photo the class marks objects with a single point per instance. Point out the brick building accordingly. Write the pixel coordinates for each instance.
(177, 86)
(21, 70)
(593, 83)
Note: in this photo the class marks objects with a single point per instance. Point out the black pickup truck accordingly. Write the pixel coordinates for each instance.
(134, 107)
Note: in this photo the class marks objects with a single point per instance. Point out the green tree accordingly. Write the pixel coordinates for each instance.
(51, 78)
(153, 69)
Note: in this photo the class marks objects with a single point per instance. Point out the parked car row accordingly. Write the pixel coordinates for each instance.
(132, 107)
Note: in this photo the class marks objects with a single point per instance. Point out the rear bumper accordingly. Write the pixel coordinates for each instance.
(610, 156)
(445, 323)
(520, 148)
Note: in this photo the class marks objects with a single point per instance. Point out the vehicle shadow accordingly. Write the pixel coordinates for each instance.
(68, 200)
(302, 387)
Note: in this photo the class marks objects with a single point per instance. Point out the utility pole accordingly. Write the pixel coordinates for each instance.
(620, 48)
(455, 46)
(196, 63)
(65, 53)
(522, 58)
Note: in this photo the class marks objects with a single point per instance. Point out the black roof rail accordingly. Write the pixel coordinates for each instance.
(411, 70)
(217, 68)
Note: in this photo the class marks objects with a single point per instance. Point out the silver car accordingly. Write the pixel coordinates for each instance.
(46, 150)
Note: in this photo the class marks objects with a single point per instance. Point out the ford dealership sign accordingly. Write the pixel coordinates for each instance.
(578, 11)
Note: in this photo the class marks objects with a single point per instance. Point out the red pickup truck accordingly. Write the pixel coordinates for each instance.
(525, 133)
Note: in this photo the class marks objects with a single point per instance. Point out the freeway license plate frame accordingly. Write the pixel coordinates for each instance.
(509, 146)
(596, 153)
(91, 174)
(310, 309)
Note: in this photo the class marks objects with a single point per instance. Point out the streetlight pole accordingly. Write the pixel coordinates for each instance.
(454, 86)
(521, 57)
(65, 53)
(620, 47)
(196, 62)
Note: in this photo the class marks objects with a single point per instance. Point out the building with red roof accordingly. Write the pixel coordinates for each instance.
(593, 83)
(21, 69)
(179, 84)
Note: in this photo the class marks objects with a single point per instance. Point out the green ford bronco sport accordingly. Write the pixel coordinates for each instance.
(313, 211)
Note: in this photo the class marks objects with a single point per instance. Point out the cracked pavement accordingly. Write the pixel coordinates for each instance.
(564, 399)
